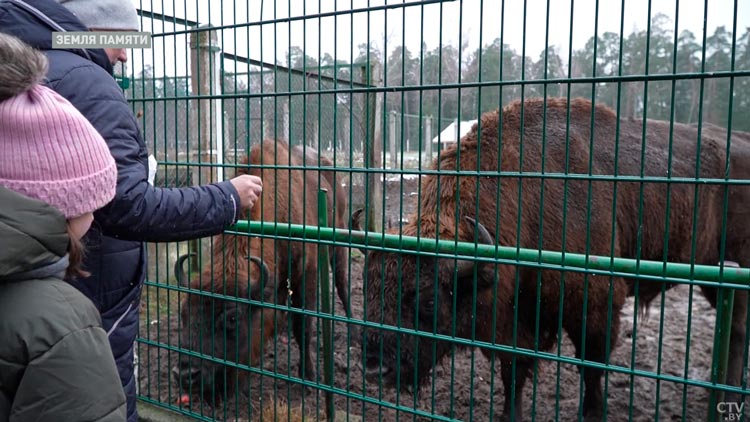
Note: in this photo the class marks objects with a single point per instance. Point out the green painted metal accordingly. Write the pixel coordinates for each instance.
(605, 265)
(721, 348)
(338, 108)
(325, 299)
(124, 82)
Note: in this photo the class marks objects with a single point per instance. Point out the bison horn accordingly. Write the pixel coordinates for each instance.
(466, 267)
(179, 271)
(355, 223)
(265, 275)
(484, 236)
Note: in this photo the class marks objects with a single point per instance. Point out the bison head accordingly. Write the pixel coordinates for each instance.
(214, 324)
(428, 294)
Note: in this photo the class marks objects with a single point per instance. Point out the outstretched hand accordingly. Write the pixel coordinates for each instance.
(249, 188)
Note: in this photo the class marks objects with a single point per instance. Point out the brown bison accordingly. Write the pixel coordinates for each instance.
(225, 329)
(478, 300)
(337, 216)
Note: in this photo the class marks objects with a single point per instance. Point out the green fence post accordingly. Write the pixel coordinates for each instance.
(723, 333)
(325, 298)
(123, 81)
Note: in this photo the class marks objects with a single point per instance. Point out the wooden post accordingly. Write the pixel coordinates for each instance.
(205, 79)
(373, 151)
(316, 135)
(346, 138)
(428, 139)
(392, 139)
(285, 118)
(204, 113)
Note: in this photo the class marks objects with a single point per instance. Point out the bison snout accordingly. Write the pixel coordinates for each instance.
(185, 372)
(378, 361)
(374, 370)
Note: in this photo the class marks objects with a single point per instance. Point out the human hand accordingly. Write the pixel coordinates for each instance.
(249, 188)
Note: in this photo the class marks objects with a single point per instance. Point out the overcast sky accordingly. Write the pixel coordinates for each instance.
(403, 25)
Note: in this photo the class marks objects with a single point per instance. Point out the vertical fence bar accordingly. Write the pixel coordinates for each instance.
(723, 334)
(392, 139)
(325, 298)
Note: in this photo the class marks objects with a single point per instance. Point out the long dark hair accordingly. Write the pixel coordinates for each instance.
(76, 253)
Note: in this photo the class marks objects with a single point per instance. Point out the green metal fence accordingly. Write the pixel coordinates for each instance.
(609, 235)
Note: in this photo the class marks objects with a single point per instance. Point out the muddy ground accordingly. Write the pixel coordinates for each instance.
(461, 385)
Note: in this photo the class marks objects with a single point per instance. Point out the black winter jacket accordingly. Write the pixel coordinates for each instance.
(116, 254)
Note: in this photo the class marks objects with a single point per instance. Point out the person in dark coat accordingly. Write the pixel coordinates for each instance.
(56, 363)
(139, 212)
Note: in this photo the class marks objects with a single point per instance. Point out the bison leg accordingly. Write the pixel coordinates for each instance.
(523, 367)
(302, 336)
(595, 350)
(599, 307)
(341, 277)
(300, 325)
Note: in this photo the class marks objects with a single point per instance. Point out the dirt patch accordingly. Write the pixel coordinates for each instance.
(463, 386)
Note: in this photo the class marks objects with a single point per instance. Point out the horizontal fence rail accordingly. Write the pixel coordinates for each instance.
(667, 271)
(464, 85)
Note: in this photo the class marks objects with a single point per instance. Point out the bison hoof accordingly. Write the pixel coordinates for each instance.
(308, 373)
(593, 415)
(507, 418)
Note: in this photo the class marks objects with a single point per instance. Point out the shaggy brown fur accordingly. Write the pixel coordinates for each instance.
(498, 202)
(337, 217)
(226, 330)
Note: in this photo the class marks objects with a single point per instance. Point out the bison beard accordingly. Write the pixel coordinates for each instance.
(239, 333)
(438, 295)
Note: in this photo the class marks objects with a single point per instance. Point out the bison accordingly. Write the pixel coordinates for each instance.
(284, 270)
(337, 215)
(477, 300)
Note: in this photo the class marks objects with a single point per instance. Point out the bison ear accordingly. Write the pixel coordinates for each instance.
(465, 268)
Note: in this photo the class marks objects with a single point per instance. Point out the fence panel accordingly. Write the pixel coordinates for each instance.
(584, 167)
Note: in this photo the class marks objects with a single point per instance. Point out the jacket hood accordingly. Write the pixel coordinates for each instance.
(33, 238)
(34, 21)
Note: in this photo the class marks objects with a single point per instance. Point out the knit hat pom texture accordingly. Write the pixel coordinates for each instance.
(50, 151)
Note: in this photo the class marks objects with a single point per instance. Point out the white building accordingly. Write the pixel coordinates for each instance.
(453, 132)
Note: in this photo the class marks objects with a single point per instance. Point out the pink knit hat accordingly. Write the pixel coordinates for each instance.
(48, 150)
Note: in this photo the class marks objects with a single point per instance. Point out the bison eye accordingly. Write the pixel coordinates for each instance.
(427, 308)
(230, 319)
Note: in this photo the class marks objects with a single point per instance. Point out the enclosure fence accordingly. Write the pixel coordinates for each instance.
(471, 209)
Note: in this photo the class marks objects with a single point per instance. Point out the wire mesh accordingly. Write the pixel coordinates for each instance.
(601, 147)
